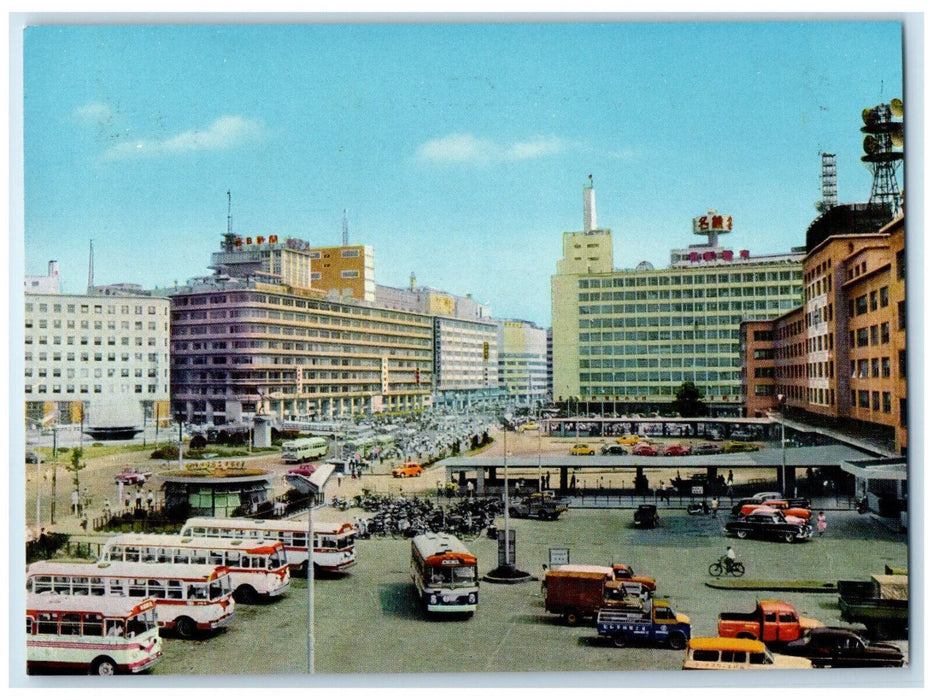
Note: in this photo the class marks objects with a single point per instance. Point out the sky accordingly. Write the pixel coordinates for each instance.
(458, 150)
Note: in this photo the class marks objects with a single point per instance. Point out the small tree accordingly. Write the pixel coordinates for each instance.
(76, 466)
(689, 402)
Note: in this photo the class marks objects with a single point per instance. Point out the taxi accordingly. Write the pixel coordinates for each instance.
(582, 449)
(407, 469)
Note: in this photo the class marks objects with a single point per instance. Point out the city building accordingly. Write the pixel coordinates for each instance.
(98, 361)
(841, 356)
(633, 337)
(44, 284)
(523, 361)
(242, 347)
(466, 364)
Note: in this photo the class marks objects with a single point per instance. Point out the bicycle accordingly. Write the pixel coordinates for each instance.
(725, 565)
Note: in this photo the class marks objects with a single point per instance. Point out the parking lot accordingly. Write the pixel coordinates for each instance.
(368, 622)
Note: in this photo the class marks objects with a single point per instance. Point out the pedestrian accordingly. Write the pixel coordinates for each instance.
(729, 479)
(107, 508)
(139, 498)
(150, 500)
(714, 506)
(339, 479)
(821, 523)
(75, 499)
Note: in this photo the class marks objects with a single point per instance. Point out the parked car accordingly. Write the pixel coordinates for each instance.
(132, 476)
(769, 525)
(742, 502)
(32, 457)
(706, 448)
(838, 647)
(407, 469)
(613, 450)
(646, 515)
(676, 451)
(528, 426)
(740, 447)
(537, 505)
(628, 440)
(721, 653)
(781, 505)
(582, 449)
(767, 495)
(643, 449)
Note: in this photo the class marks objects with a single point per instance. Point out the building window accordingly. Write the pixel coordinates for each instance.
(901, 316)
(885, 333)
(883, 296)
(863, 399)
(886, 402)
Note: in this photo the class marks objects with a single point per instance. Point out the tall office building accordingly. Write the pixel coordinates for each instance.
(466, 367)
(100, 361)
(523, 361)
(630, 338)
(842, 353)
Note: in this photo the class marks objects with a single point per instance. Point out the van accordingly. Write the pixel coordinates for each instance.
(726, 653)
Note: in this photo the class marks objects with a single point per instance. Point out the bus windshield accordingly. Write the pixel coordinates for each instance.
(451, 575)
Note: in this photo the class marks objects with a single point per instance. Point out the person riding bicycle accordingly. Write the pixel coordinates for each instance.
(729, 559)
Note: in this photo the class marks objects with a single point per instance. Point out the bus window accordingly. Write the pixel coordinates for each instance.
(138, 587)
(216, 589)
(98, 587)
(80, 585)
(132, 553)
(29, 623)
(48, 623)
(165, 556)
(114, 628)
(175, 591)
(216, 558)
(71, 624)
(41, 584)
(299, 539)
(463, 574)
(198, 557)
(233, 558)
(61, 584)
(135, 626)
(197, 592)
(157, 588)
(150, 554)
(116, 553)
(93, 625)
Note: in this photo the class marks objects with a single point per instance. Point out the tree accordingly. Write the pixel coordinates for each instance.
(689, 402)
(76, 466)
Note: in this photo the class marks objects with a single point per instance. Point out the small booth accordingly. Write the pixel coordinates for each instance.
(217, 489)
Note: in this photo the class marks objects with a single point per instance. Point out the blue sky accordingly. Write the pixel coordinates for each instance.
(458, 150)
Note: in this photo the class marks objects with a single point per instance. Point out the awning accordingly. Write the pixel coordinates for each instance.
(881, 469)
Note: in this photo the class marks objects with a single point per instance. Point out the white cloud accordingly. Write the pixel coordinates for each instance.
(225, 132)
(93, 112)
(466, 148)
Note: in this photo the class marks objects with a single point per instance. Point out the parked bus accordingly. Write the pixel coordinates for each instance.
(189, 598)
(303, 449)
(90, 634)
(444, 573)
(257, 569)
(334, 543)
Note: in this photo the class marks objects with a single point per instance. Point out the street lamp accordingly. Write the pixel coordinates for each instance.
(781, 401)
(311, 509)
(505, 469)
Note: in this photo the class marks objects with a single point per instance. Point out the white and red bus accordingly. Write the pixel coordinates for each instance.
(444, 573)
(189, 598)
(334, 543)
(90, 634)
(257, 569)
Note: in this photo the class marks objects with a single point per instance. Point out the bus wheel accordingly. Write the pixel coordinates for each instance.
(185, 627)
(245, 594)
(103, 666)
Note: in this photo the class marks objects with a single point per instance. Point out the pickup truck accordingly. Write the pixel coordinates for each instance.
(880, 604)
(132, 476)
(657, 624)
(575, 595)
(772, 622)
(538, 506)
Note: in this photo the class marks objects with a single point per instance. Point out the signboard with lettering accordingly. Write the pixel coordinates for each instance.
(558, 557)
(712, 222)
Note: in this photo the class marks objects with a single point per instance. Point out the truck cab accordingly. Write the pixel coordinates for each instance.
(772, 622)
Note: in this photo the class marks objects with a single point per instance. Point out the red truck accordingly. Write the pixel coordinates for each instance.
(575, 595)
(772, 622)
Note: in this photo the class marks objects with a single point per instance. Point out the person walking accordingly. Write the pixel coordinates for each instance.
(75, 500)
(714, 506)
(150, 500)
(821, 523)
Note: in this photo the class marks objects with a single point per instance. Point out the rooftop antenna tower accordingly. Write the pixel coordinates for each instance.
(828, 179)
(883, 146)
(90, 269)
(346, 230)
(589, 207)
(229, 237)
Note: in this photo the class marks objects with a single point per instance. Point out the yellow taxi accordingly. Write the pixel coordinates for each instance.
(582, 449)
(629, 440)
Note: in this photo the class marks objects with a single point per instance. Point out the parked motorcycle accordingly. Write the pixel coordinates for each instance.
(698, 508)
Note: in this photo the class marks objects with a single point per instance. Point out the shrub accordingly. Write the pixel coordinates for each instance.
(198, 442)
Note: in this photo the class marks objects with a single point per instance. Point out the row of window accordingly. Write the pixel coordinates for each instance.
(691, 307)
(98, 389)
(875, 299)
(635, 350)
(58, 307)
(673, 376)
(719, 278)
(125, 341)
(58, 356)
(691, 293)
